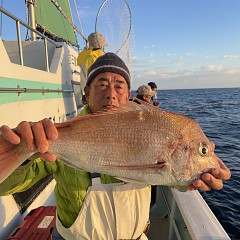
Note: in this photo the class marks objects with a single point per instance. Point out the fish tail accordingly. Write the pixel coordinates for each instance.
(11, 157)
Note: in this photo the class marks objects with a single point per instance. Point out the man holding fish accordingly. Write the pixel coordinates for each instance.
(114, 209)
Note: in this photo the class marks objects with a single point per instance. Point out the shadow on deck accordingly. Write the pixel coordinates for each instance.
(159, 228)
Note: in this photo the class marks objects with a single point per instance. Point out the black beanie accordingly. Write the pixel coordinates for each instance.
(109, 62)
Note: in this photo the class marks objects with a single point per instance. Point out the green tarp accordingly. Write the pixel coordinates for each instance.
(50, 18)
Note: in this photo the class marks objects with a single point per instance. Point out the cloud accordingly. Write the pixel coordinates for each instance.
(189, 54)
(142, 64)
(151, 72)
(211, 68)
(149, 46)
(207, 76)
(232, 71)
(170, 55)
(231, 56)
(179, 62)
(210, 57)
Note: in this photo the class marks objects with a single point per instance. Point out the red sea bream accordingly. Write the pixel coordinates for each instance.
(139, 143)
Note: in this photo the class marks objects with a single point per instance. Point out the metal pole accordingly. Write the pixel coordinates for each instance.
(46, 54)
(19, 43)
(32, 19)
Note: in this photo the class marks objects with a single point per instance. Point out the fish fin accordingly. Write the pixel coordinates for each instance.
(130, 180)
(69, 122)
(11, 157)
(130, 106)
(66, 161)
(133, 106)
(146, 105)
(180, 188)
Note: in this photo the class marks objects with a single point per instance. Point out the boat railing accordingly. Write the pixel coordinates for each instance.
(32, 90)
(19, 22)
(189, 215)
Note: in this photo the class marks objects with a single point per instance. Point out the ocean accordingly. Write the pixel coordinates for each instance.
(218, 113)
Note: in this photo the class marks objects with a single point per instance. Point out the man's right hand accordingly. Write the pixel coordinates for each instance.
(156, 103)
(35, 135)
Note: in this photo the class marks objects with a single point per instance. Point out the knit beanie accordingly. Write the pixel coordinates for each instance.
(109, 62)
(145, 90)
(96, 40)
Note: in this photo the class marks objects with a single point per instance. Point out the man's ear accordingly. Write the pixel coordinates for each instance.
(129, 94)
(87, 92)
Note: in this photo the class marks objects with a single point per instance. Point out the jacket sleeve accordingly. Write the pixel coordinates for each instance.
(86, 58)
(26, 176)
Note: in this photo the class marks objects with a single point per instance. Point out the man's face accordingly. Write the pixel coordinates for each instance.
(147, 98)
(107, 91)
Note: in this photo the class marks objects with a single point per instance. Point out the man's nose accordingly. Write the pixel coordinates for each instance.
(111, 92)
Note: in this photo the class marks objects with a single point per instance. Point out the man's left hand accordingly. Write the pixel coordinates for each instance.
(213, 180)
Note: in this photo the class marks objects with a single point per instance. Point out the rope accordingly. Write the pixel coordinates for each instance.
(1, 21)
(56, 4)
(79, 19)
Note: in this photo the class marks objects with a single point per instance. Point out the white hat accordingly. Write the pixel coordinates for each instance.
(96, 40)
(145, 90)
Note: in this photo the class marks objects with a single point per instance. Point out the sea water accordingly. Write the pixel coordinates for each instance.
(218, 113)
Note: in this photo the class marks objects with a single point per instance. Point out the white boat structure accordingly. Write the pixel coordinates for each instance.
(39, 78)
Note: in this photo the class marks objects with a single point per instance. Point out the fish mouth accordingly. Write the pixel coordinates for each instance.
(199, 175)
(159, 165)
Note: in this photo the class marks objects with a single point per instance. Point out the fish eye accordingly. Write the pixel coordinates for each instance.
(203, 149)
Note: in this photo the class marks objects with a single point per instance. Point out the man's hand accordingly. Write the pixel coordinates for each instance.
(212, 180)
(156, 103)
(35, 135)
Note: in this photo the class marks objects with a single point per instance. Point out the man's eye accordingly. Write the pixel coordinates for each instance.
(103, 85)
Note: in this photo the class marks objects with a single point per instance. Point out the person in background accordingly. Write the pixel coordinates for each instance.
(145, 93)
(86, 210)
(88, 56)
(95, 49)
(154, 100)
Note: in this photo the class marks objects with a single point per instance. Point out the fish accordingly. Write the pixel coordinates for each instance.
(136, 143)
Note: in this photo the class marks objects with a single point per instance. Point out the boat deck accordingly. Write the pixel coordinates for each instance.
(159, 228)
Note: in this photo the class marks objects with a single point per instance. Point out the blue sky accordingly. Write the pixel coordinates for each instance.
(175, 43)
